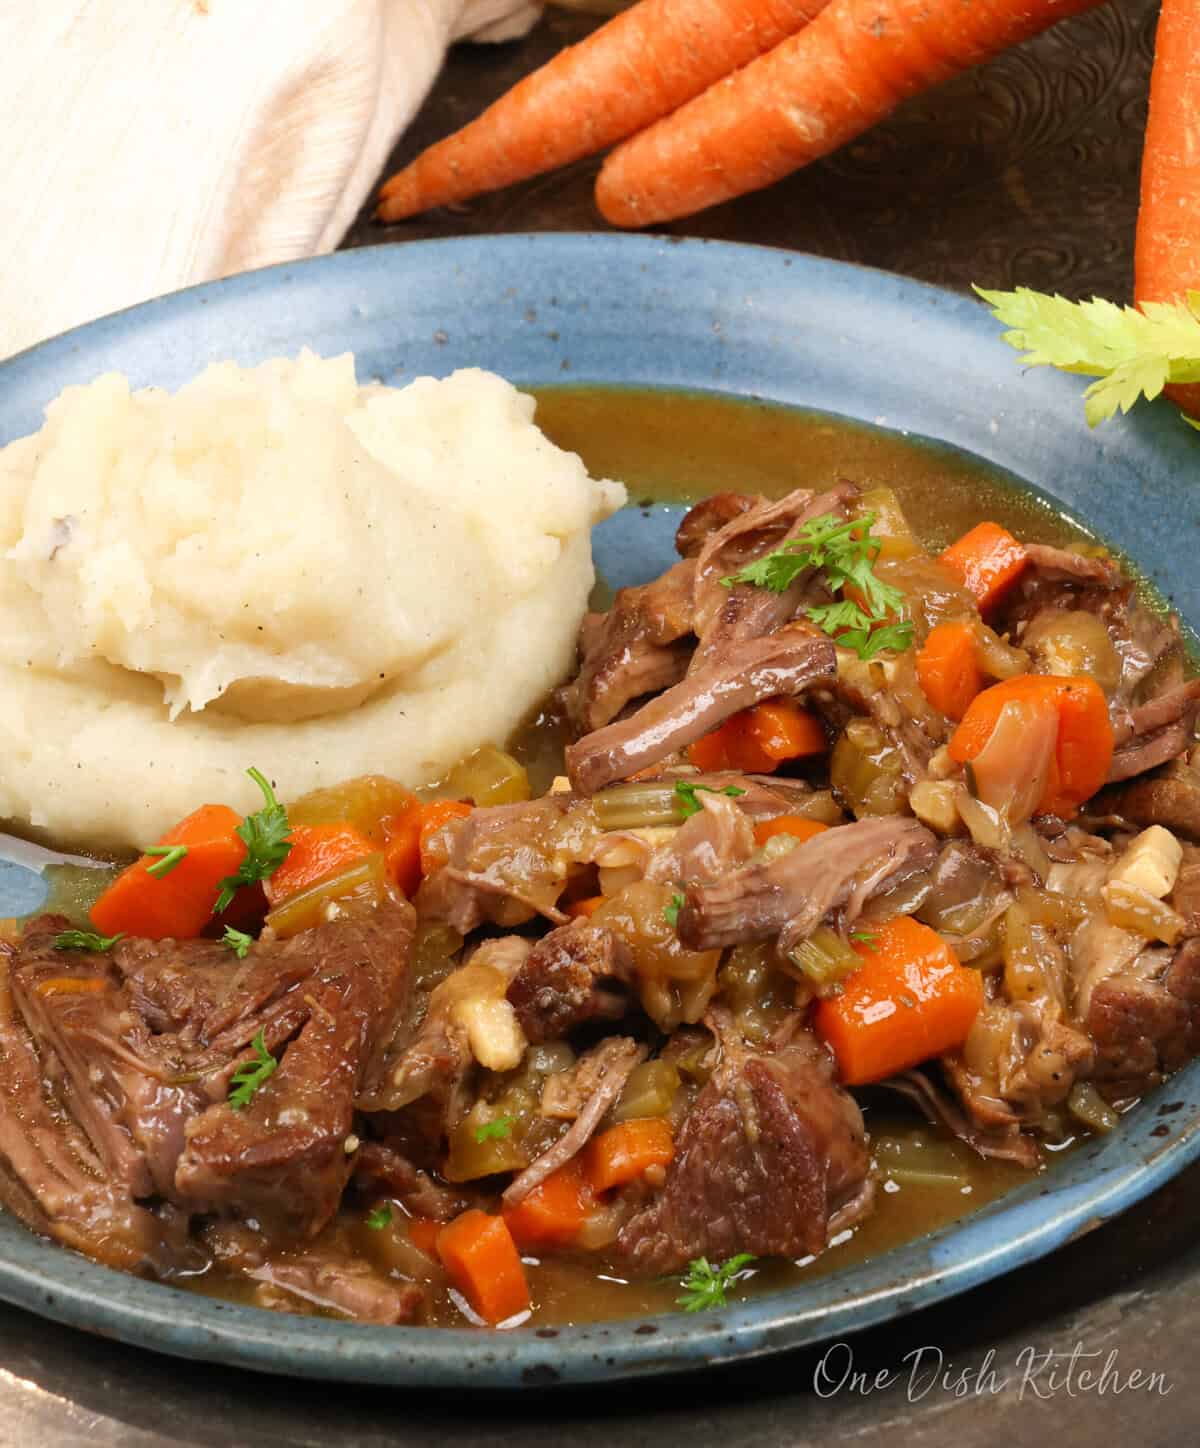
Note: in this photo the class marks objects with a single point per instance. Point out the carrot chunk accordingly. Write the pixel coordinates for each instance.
(552, 1214)
(623, 1152)
(795, 825)
(759, 740)
(708, 754)
(1084, 744)
(989, 560)
(781, 730)
(317, 851)
(947, 669)
(423, 1233)
(180, 902)
(909, 1000)
(481, 1258)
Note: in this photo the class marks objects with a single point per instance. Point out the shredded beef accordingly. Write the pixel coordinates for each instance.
(638, 647)
(786, 662)
(790, 896)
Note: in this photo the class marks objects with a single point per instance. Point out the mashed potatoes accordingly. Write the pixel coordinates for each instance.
(275, 566)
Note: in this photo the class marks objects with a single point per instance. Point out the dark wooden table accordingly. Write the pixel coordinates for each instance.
(1023, 173)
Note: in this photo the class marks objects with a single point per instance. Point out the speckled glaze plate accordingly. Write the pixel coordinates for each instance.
(640, 310)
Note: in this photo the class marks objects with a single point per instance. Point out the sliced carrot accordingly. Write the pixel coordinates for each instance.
(423, 1233)
(317, 851)
(909, 1000)
(1167, 251)
(851, 67)
(1084, 746)
(796, 825)
(947, 668)
(641, 65)
(759, 740)
(553, 1213)
(179, 903)
(481, 1258)
(989, 560)
(625, 1151)
(581, 909)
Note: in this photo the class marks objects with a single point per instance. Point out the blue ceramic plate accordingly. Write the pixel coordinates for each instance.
(615, 309)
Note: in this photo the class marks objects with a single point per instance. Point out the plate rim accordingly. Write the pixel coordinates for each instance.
(1016, 1229)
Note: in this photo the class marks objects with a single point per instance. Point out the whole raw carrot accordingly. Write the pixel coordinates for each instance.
(814, 92)
(1167, 253)
(642, 65)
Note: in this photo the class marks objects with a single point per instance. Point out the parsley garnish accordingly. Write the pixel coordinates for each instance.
(238, 941)
(267, 845)
(171, 856)
(86, 940)
(705, 1285)
(869, 938)
(249, 1076)
(686, 803)
(1133, 351)
(671, 911)
(379, 1218)
(494, 1130)
(845, 551)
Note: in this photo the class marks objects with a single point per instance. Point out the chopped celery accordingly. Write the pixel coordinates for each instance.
(825, 957)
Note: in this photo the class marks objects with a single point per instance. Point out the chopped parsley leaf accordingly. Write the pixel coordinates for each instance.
(671, 911)
(379, 1218)
(705, 1285)
(238, 941)
(267, 845)
(686, 803)
(252, 1075)
(86, 940)
(171, 856)
(845, 552)
(494, 1130)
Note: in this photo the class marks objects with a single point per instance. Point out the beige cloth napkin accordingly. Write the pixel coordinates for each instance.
(150, 144)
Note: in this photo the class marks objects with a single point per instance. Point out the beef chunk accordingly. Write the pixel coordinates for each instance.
(282, 1159)
(1146, 1028)
(50, 1175)
(769, 1160)
(381, 1165)
(575, 974)
(1170, 798)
